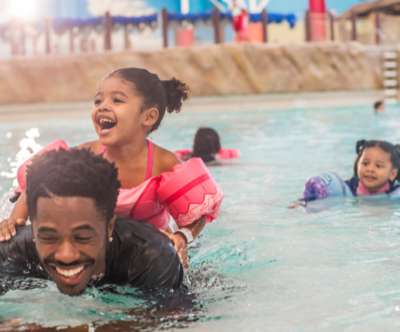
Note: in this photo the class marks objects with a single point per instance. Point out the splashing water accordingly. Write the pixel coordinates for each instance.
(27, 148)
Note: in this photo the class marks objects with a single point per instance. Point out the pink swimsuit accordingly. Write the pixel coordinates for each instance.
(363, 191)
(187, 193)
(128, 198)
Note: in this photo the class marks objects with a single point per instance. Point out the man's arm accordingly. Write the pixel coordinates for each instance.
(18, 217)
(160, 266)
(142, 256)
(18, 255)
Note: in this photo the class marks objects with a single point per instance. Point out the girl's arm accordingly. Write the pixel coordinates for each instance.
(177, 180)
(18, 216)
(183, 236)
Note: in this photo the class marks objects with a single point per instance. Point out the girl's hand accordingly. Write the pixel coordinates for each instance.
(296, 204)
(181, 248)
(8, 228)
(179, 241)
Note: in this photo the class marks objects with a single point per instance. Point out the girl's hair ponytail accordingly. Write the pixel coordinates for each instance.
(397, 150)
(175, 92)
(165, 95)
(360, 145)
(396, 157)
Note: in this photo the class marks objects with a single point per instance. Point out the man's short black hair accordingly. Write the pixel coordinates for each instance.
(73, 173)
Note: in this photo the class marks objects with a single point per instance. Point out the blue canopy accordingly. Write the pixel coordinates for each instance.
(135, 20)
(291, 19)
(62, 24)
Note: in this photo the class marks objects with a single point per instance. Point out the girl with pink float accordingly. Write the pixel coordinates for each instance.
(207, 146)
(130, 103)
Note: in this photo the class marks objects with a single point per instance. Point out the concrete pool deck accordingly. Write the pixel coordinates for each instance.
(196, 104)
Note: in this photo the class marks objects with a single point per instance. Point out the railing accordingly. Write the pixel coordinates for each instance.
(218, 19)
(17, 34)
(70, 36)
(367, 30)
(44, 37)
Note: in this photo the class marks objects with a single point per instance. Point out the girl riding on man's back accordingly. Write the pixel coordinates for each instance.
(129, 104)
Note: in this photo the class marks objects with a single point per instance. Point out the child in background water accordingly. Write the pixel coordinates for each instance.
(376, 171)
(207, 146)
(376, 168)
(379, 106)
(130, 104)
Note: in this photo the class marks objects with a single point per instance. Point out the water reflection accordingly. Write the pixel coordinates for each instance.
(152, 310)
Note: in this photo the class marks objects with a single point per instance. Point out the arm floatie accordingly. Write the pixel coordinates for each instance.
(183, 153)
(189, 192)
(227, 154)
(325, 185)
(221, 155)
(56, 145)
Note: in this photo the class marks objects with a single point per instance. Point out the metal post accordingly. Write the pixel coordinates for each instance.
(127, 41)
(216, 21)
(22, 39)
(332, 25)
(307, 26)
(71, 40)
(165, 23)
(264, 20)
(47, 36)
(353, 27)
(377, 28)
(107, 32)
(35, 38)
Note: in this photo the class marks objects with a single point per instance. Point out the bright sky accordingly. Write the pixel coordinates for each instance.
(120, 7)
(31, 9)
(24, 9)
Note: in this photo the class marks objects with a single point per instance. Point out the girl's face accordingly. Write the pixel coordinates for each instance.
(375, 168)
(117, 115)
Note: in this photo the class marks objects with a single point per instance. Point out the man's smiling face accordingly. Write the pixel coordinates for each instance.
(71, 239)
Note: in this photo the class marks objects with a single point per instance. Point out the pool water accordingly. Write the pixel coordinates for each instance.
(260, 266)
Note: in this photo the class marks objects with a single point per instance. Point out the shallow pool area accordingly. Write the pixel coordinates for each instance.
(260, 266)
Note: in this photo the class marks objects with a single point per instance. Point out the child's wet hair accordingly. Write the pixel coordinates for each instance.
(392, 149)
(378, 104)
(163, 94)
(206, 144)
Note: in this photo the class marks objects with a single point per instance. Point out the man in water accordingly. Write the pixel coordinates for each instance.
(75, 239)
